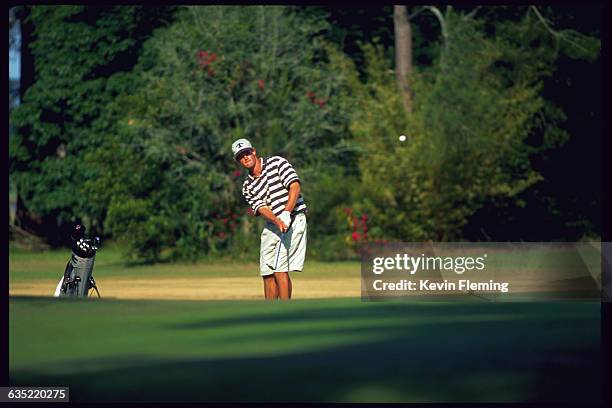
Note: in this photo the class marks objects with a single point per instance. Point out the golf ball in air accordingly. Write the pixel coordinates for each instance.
(402, 138)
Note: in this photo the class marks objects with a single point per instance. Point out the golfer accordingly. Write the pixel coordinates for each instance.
(272, 189)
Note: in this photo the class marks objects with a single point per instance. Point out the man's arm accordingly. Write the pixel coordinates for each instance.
(294, 193)
(267, 213)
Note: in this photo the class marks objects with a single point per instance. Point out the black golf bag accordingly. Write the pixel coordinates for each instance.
(78, 276)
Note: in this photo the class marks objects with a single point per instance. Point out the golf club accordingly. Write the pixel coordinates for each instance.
(280, 244)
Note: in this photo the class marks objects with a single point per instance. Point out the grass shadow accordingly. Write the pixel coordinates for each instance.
(396, 352)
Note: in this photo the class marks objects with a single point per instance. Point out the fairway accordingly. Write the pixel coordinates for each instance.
(199, 288)
(177, 332)
(37, 274)
(339, 350)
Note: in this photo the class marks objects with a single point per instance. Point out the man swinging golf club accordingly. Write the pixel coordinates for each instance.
(272, 189)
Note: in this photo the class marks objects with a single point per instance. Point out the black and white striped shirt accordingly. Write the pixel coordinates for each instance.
(271, 188)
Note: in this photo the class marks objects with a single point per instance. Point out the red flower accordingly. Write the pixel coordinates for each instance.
(250, 211)
(236, 173)
(205, 59)
(347, 210)
(313, 98)
(224, 220)
(221, 235)
(261, 84)
(355, 236)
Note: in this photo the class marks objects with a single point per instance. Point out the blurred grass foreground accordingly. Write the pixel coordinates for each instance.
(334, 348)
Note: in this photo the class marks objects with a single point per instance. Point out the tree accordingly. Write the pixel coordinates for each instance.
(403, 53)
(568, 198)
(473, 115)
(215, 75)
(81, 57)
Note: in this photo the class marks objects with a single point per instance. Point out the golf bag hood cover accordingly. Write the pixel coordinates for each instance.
(78, 232)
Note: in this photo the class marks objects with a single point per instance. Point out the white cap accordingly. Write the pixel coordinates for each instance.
(240, 145)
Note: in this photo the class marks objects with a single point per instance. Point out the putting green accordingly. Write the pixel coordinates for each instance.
(161, 333)
(327, 350)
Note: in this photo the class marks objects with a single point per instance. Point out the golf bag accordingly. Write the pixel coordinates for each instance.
(78, 276)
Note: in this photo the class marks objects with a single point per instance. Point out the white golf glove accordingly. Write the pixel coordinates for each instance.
(285, 217)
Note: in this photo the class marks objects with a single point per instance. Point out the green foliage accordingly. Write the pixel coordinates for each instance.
(467, 135)
(81, 56)
(215, 75)
(567, 41)
(329, 190)
(137, 138)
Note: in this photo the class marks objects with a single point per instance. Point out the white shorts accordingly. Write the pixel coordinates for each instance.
(292, 252)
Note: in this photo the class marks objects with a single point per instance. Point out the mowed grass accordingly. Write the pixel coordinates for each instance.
(37, 274)
(30, 266)
(334, 350)
(319, 350)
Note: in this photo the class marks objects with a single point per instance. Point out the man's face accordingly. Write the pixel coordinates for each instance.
(247, 158)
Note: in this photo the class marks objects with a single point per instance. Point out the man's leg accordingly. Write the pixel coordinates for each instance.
(270, 287)
(283, 282)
